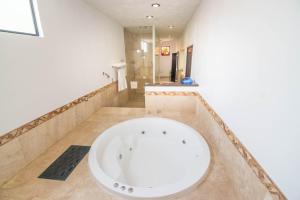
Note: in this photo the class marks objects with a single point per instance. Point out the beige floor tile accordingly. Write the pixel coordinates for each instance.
(80, 185)
(11, 159)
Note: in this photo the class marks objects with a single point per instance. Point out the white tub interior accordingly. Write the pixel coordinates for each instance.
(149, 157)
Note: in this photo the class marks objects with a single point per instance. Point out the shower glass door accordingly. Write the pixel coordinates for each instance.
(139, 51)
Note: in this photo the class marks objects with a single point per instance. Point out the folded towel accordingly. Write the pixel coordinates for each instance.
(122, 83)
(119, 65)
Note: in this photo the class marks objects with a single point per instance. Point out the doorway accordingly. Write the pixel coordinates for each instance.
(189, 55)
(174, 66)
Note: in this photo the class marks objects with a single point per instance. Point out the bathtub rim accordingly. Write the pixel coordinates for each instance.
(150, 192)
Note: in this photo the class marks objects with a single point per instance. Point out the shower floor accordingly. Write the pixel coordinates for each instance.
(136, 101)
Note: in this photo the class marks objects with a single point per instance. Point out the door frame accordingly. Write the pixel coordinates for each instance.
(188, 67)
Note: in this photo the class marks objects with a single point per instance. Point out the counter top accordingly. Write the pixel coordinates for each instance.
(171, 84)
(171, 87)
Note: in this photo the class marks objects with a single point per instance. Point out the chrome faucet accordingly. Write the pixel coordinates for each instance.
(105, 74)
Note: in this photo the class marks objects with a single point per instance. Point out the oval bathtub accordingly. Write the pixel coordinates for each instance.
(149, 157)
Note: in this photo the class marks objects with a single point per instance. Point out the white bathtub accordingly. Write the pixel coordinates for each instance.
(149, 158)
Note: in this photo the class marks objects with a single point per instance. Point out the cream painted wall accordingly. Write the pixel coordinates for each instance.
(165, 62)
(247, 62)
(38, 75)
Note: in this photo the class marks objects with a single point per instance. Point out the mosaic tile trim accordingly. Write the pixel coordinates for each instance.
(161, 93)
(30, 125)
(254, 165)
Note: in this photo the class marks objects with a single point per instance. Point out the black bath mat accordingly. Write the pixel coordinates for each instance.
(62, 167)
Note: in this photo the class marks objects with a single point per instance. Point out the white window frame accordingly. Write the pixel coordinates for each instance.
(35, 20)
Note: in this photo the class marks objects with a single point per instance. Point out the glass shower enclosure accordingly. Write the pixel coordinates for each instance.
(139, 59)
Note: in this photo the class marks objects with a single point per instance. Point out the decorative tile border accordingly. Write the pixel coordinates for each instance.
(254, 165)
(30, 125)
(161, 93)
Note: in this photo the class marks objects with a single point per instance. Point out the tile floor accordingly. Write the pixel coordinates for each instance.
(80, 185)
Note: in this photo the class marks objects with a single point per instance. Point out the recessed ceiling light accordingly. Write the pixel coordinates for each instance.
(155, 5)
(171, 26)
(150, 16)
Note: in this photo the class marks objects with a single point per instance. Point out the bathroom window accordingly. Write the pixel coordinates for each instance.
(20, 17)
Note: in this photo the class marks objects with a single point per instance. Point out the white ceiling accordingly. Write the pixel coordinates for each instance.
(133, 13)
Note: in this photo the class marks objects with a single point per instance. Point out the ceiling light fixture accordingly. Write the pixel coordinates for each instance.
(155, 5)
(150, 16)
(171, 26)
